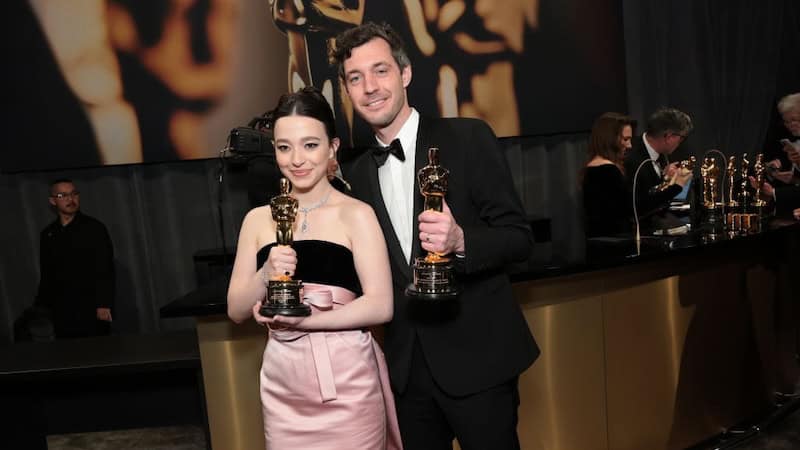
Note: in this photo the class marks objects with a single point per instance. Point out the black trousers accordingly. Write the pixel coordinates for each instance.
(430, 418)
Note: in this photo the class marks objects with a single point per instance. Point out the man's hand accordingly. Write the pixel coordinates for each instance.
(785, 177)
(671, 170)
(104, 314)
(791, 152)
(439, 232)
(681, 176)
(767, 191)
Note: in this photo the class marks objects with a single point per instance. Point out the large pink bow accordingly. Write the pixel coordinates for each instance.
(320, 297)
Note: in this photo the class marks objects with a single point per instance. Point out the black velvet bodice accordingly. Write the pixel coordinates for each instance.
(321, 262)
(606, 201)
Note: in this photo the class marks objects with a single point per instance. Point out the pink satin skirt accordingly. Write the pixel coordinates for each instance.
(326, 389)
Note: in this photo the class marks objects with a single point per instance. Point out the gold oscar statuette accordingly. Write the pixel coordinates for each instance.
(731, 172)
(433, 273)
(759, 173)
(284, 295)
(745, 197)
(711, 175)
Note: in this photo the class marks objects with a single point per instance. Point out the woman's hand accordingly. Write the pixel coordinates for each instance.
(281, 262)
(276, 322)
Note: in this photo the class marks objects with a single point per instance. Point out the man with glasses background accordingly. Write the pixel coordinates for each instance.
(76, 268)
(665, 131)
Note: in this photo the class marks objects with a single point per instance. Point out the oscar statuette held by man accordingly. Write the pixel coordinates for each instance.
(433, 273)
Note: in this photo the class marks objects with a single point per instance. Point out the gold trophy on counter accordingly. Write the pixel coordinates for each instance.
(688, 164)
(433, 273)
(759, 172)
(744, 194)
(284, 295)
(731, 172)
(710, 173)
(740, 218)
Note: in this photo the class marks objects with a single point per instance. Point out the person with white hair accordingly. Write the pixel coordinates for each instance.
(784, 148)
(784, 186)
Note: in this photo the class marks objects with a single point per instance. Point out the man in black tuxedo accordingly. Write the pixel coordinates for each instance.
(454, 368)
(784, 185)
(786, 198)
(666, 129)
(782, 144)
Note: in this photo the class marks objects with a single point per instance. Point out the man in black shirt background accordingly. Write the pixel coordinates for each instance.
(76, 268)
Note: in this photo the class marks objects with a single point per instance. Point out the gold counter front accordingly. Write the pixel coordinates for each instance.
(641, 357)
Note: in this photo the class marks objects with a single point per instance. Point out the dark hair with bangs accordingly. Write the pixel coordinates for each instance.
(307, 102)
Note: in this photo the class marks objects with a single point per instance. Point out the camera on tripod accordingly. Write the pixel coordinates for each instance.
(251, 140)
(252, 146)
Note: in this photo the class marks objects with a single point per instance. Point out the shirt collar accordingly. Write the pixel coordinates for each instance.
(654, 155)
(407, 134)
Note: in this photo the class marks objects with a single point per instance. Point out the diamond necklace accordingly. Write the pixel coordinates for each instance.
(305, 211)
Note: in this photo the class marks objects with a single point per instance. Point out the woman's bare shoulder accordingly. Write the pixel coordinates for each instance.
(599, 161)
(354, 209)
(259, 214)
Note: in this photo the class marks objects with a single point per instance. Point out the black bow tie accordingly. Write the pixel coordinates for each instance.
(662, 161)
(381, 153)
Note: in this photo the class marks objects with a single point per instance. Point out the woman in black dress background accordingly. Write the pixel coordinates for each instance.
(606, 197)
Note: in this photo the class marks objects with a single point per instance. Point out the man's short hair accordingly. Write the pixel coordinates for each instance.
(351, 38)
(789, 103)
(669, 120)
(59, 181)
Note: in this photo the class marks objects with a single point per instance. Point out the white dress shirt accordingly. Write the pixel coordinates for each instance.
(397, 184)
(796, 145)
(654, 155)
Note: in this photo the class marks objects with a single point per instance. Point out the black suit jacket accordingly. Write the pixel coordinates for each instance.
(647, 203)
(787, 199)
(773, 149)
(486, 340)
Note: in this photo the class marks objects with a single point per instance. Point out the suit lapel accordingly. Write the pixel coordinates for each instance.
(393, 244)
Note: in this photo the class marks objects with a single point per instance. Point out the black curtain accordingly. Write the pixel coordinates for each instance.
(722, 61)
(158, 215)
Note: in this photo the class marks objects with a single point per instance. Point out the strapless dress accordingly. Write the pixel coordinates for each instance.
(326, 389)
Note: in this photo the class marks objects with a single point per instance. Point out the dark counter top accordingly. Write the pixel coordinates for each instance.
(552, 259)
(604, 253)
(207, 300)
(99, 355)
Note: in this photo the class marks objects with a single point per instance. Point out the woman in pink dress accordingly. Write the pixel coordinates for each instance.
(324, 383)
